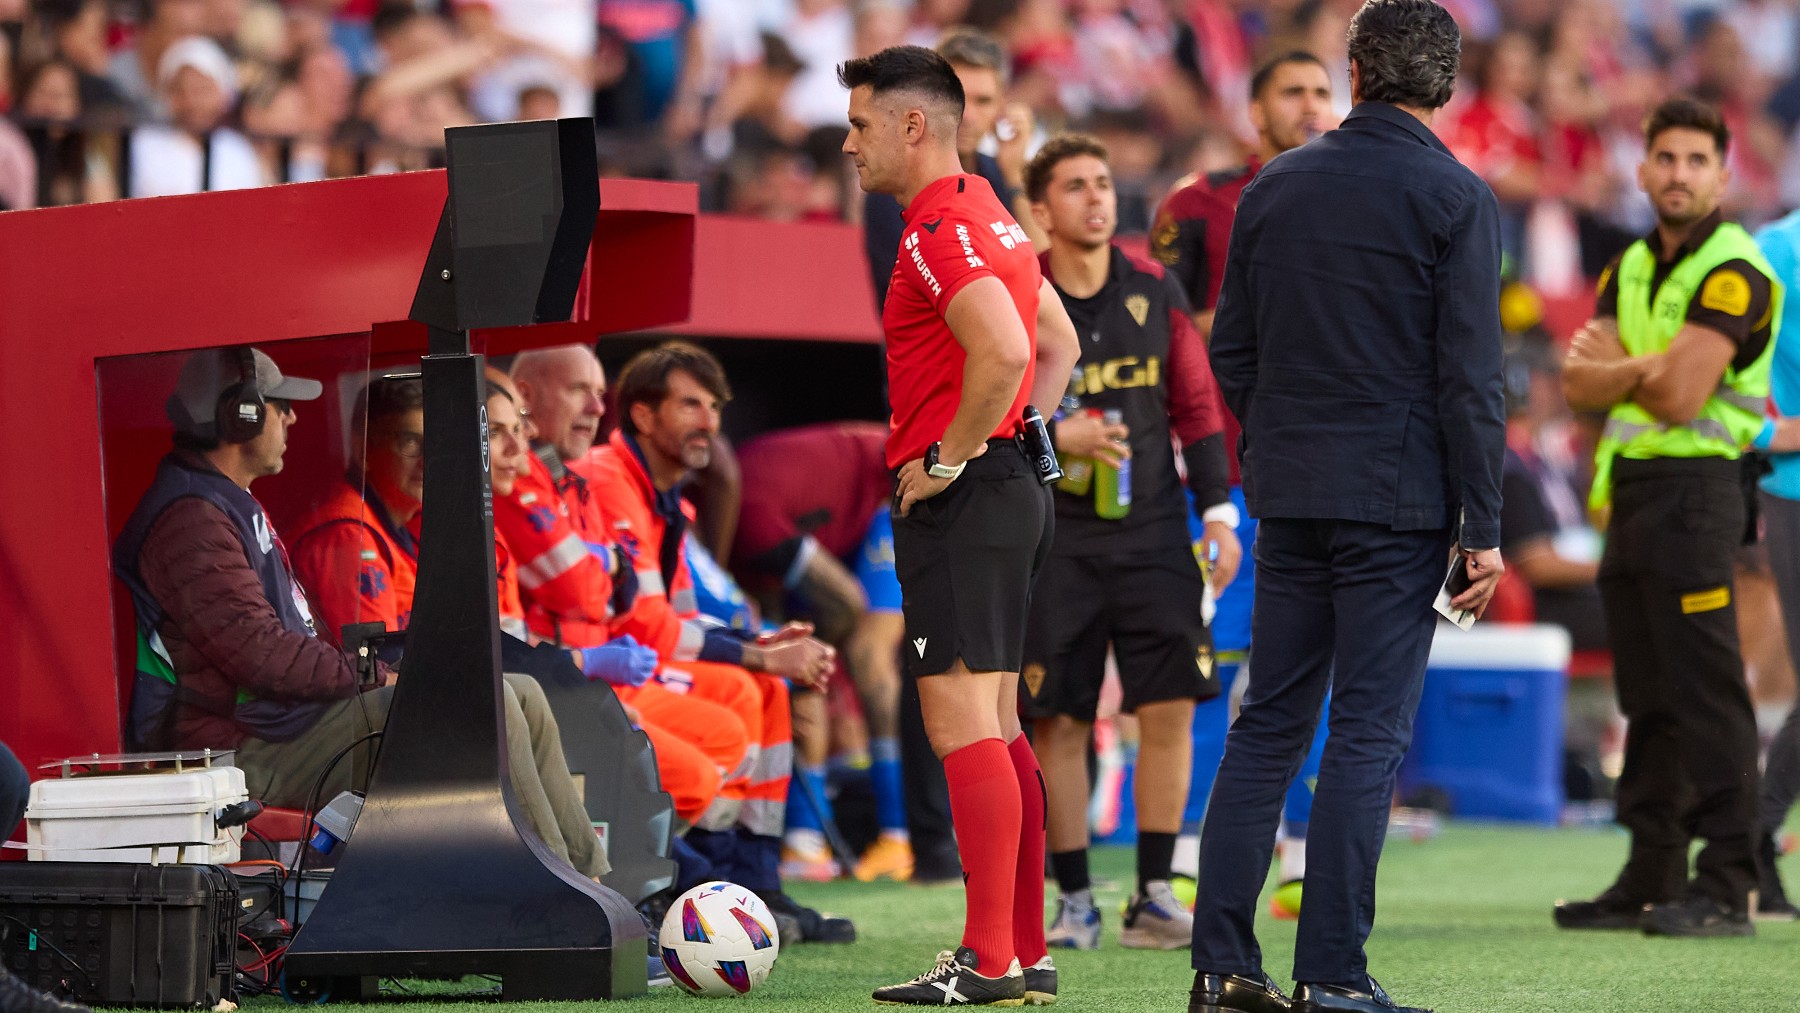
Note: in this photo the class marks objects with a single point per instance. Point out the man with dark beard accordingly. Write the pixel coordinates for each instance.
(1678, 355)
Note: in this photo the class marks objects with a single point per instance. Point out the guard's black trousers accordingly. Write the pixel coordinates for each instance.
(1690, 748)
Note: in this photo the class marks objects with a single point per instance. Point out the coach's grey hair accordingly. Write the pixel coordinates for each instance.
(1407, 51)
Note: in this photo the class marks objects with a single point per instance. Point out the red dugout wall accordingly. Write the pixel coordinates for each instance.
(314, 273)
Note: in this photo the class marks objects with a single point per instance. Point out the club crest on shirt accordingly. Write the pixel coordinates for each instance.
(1138, 306)
(1034, 677)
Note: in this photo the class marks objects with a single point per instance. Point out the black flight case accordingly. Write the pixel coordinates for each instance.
(121, 934)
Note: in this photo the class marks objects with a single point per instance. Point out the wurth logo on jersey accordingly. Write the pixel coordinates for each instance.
(968, 247)
(918, 259)
(1010, 234)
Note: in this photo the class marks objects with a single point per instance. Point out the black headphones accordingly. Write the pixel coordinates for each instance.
(242, 410)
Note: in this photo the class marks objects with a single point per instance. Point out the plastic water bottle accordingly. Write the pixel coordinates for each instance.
(1078, 472)
(1112, 486)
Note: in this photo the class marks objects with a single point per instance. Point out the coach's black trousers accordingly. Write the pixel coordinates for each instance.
(1690, 747)
(1328, 593)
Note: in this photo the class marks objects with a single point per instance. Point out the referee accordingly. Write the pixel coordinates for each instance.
(964, 310)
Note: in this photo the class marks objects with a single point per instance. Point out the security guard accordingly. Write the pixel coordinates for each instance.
(1678, 357)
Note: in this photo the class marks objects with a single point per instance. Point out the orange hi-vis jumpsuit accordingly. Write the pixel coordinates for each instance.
(690, 777)
(664, 616)
(561, 555)
(354, 566)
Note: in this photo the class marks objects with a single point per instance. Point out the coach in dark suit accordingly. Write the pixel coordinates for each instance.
(1358, 340)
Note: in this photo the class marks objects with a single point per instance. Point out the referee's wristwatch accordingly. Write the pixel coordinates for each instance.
(943, 471)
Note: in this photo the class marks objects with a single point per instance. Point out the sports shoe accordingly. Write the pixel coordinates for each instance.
(1076, 926)
(1040, 983)
(1284, 903)
(1695, 916)
(657, 975)
(889, 856)
(955, 982)
(1155, 920)
(808, 864)
(1611, 910)
(813, 926)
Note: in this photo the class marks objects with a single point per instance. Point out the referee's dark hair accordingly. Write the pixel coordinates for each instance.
(1691, 113)
(906, 68)
(645, 379)
(1055, 151)
(1408, 52)
(1260, 79)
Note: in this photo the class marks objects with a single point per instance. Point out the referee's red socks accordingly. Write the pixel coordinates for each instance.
(984, 803)
(1028, 882)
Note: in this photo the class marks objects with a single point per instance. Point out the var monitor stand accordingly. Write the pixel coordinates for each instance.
(443, 878)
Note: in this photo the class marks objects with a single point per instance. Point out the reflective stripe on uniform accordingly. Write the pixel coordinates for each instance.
(1624, 432)
(775, 762)
(650, 582)
(553, 562)
(722, 814)
(687, 646)
(764, 817)
(1744, 401)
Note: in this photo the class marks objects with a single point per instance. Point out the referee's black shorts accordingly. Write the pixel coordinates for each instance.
(966, 560)
(1145, 605)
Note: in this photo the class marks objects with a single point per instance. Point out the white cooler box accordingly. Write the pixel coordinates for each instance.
(155, 819)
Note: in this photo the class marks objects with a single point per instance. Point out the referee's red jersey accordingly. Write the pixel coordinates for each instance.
(956, 231)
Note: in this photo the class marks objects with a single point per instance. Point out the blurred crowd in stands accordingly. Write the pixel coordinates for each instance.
(110, 98)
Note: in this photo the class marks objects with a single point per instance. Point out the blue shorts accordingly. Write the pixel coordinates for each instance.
(873, 564)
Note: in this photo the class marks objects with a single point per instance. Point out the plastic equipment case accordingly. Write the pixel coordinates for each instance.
(182, 815)
(111, 934)
(1490, 728)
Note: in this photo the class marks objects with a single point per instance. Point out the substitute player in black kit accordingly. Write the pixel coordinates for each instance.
(1131, 583)
(965, 310)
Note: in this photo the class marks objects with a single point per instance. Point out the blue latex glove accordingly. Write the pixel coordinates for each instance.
(621, 661)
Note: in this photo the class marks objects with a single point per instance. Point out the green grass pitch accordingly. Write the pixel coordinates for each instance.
(1463, 925)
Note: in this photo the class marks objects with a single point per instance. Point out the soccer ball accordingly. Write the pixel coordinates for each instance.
(719, 939)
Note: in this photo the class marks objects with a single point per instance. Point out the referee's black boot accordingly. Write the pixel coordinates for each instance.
(18, 997)
(1313, 998)
(957, 981)
(1611, 910)
(1236, 993)
(1696, 916)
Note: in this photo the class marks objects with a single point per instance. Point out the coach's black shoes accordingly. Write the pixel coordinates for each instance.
(1309, 998)
(1695, 916)
(1236, 993)
(1610, 910)
(956, 982)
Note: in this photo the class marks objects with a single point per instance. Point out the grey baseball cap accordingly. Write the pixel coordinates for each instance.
(209, 373)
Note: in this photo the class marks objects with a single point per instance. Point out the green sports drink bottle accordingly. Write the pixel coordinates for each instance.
(1078, 472)
(1112, 486)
